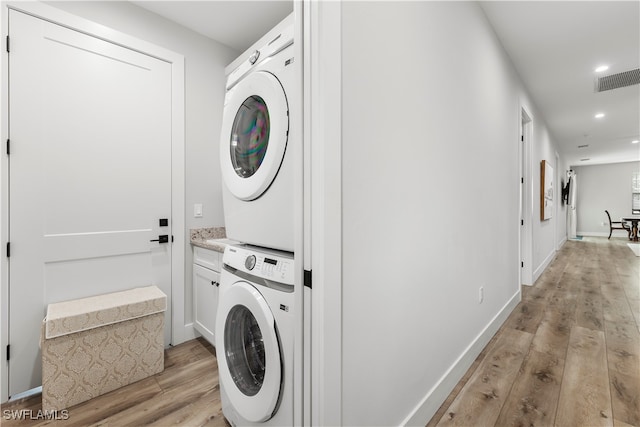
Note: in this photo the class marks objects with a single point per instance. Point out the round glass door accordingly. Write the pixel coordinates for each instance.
(249, 136)
(244, 350)
(255, 129)
(249, 353)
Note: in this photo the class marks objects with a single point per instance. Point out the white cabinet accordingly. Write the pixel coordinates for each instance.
(206, 280)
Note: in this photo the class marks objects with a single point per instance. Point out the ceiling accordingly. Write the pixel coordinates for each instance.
(554, 45)
(234, 23)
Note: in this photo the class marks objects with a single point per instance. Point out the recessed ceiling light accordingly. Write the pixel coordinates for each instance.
(635, 141)
(599, 115)
(602, 68)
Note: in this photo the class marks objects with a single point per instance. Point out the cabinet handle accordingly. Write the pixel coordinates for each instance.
(215, 283)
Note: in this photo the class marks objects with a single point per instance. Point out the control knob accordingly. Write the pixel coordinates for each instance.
(250, 262)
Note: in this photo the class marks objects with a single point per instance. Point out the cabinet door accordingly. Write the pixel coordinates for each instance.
(205, 301)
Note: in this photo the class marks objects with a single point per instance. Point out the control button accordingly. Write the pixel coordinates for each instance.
(250, 262)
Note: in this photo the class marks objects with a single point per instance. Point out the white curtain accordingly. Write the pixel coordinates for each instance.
(572, 219)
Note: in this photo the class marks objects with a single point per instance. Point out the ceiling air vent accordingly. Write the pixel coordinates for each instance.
(615, 81)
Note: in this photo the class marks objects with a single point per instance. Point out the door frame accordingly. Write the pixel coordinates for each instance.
(60, 17)
(526, 195)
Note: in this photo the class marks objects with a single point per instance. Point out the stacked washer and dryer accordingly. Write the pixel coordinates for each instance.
(255, 326)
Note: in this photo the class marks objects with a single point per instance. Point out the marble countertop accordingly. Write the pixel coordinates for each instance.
(214, 238)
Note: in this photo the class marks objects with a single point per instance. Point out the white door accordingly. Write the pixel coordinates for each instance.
(255, 129)
(251, 368)
(89, 178)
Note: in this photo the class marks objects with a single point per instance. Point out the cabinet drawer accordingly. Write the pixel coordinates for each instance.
(207, 258)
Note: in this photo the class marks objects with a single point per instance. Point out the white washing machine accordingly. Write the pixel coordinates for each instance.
(255, 336)
(255, 144)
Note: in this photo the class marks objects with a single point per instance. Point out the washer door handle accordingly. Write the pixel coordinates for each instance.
(254, 57)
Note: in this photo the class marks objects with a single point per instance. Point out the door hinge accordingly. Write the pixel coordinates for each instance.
(522, 179)
(307, 278)
(8, 249)
(8, 147)
(522, 138)
(8, 352)
(522, 222)
(8, 50)
(522, 264)
(172, 238)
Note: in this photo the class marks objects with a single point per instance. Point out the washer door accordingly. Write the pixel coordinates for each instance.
(250, 359)
(254, 136)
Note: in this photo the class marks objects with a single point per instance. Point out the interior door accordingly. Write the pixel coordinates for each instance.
(89, 179)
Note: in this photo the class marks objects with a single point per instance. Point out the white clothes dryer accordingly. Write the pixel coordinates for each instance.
(255, 144)
(255, 336)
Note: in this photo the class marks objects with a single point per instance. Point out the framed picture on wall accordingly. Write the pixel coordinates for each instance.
(546, 191)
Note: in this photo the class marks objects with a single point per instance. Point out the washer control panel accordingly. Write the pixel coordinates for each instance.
(268, 264)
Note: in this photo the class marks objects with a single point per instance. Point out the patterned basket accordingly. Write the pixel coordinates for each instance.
(94, 345)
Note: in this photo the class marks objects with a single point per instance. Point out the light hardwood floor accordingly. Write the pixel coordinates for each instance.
(569, 354)
(186, 393)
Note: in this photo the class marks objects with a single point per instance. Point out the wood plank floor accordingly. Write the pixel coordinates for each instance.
(569, 354)
(186, 393)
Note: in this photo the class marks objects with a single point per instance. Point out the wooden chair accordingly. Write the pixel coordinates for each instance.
(622, 226)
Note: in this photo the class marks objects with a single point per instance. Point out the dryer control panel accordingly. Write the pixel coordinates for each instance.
(265, 263)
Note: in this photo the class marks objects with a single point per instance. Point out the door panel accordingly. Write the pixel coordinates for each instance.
(90, 175)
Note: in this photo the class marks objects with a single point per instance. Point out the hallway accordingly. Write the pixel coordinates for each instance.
(569, 353)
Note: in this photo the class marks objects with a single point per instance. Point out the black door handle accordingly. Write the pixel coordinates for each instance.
(163, 238)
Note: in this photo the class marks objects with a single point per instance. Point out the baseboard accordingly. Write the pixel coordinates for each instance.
(435, 397)
(616, 233)
(538, 272)
(562, 242)
(189, 333)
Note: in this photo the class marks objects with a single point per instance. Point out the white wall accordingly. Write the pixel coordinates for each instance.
(545, 234)
(430, 198)
(603, 187)
(205, 60)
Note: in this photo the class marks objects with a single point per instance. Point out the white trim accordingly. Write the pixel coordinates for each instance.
(435, 397)
(4, 210)
(557, 196)
(57, 16)
(616, 233)
(189, 332)
(538, 272)
(323, 94)
(527, 230)
(302, 295)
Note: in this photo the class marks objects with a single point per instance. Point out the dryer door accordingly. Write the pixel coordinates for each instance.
(250, 358)
(255, 129)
